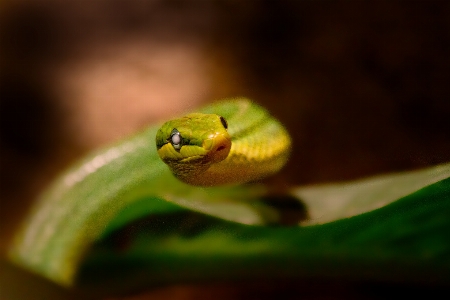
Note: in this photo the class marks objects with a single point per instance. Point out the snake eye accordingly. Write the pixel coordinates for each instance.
(175, 139)
(224, 122)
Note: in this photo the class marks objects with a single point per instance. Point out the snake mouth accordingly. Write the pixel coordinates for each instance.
(192, 159)
(218, 146)
(214, 149)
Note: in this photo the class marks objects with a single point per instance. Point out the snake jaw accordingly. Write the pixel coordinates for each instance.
(190, 161)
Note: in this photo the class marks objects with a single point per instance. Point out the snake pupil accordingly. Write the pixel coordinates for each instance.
(224, 122)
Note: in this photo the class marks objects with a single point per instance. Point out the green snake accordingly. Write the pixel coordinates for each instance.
(193, 168)
(225, 143)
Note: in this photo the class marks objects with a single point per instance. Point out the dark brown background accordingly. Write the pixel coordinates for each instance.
(362, 86)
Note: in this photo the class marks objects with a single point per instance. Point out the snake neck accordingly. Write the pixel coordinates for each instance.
(190, 172)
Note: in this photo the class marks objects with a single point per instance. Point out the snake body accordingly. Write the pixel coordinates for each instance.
(241, 143)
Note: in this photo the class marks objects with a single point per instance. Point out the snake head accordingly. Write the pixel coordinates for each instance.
(192, 143)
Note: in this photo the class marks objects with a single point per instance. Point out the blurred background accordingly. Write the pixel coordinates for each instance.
(363, 87)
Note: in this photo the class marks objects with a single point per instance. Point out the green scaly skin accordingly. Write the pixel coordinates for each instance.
(74, 212)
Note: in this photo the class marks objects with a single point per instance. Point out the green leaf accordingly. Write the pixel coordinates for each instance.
(387, 228)
(331, 202)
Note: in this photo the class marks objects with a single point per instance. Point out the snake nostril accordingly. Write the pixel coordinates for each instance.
(220, 148)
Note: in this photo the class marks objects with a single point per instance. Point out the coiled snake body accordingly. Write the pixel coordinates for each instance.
(232, 141)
